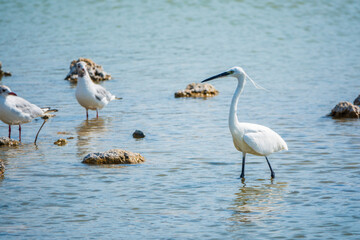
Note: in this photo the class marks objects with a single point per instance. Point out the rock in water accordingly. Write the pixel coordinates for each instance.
(345, 110)
(357, 101)
(2, 167)
(138, 134)
(198, 90)
(96, 72)
(5, 141)
(3, 73)
(114, 156)
(61, 142)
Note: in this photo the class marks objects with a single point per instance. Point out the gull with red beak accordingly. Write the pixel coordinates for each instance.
(15, 110)
(90, 95)
(248, 137)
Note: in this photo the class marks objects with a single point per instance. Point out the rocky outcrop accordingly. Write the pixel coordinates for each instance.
(113, 156)
(3, 73)
(357, 101)
(197, 90)
(61, 142)
(345, 110)
(138, 134)
(96, 72)
(2, 167)
(5, 141)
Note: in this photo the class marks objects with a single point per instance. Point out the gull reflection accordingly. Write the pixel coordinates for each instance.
(88, 131)
(254, 203)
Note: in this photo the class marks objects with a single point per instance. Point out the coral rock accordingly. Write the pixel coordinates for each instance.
(3, 73)
(357, 101)
(345, 110)
(197, 90)
(138, 134)
(113, 156)
(5, 141)
(61, 142)
(96, 72)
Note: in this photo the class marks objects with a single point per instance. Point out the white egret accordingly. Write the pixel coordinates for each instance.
(248, 137)
(90, 95)
(15, 110)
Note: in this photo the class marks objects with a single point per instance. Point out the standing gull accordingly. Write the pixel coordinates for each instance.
(90, 95)
(248, 137)
(15, 110)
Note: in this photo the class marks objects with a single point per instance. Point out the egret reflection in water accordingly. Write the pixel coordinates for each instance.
(255, 203)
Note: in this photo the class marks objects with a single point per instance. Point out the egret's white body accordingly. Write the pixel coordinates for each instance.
(90, 95)
(248, 137)
(15, 110)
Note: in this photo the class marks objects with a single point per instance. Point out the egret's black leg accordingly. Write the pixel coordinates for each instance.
(243, 167)
(272, 172)
(19, 133)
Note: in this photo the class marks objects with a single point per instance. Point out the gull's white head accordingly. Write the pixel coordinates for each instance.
(6, 91)
(236, 72)
(81, 69)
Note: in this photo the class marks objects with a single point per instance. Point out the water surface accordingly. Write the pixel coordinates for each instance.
(306, 53)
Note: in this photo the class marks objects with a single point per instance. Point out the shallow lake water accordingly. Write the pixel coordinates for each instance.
(306, 53)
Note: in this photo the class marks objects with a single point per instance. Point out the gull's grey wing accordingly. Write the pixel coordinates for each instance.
(103, 93)
(25, 107)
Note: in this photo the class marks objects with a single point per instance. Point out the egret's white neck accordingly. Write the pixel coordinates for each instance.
(233, 120)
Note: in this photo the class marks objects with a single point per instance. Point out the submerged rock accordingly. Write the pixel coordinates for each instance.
(113, 156)
(5, 141)
(357, 101)
(345, 110)
(64, 133)
(2, 167)
(61, 142)
(96, 72)
(198, 90)
(138, 134)
(3, 73)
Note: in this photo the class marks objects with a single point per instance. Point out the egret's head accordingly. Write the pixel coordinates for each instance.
(5, 91)
(237, 72)
(81, 68)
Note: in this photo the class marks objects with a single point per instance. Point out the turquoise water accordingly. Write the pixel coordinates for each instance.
(306, 53)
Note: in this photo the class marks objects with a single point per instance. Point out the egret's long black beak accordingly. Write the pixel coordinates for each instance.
(216, 76)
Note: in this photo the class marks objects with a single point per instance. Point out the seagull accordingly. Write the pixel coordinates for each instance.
(248, 137)
(90, 95)
(15, 110)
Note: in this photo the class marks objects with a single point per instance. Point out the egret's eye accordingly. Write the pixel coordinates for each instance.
(231, 71)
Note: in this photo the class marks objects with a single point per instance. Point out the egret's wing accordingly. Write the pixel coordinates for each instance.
(24, 107)
(103, 93)
(265, 141)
